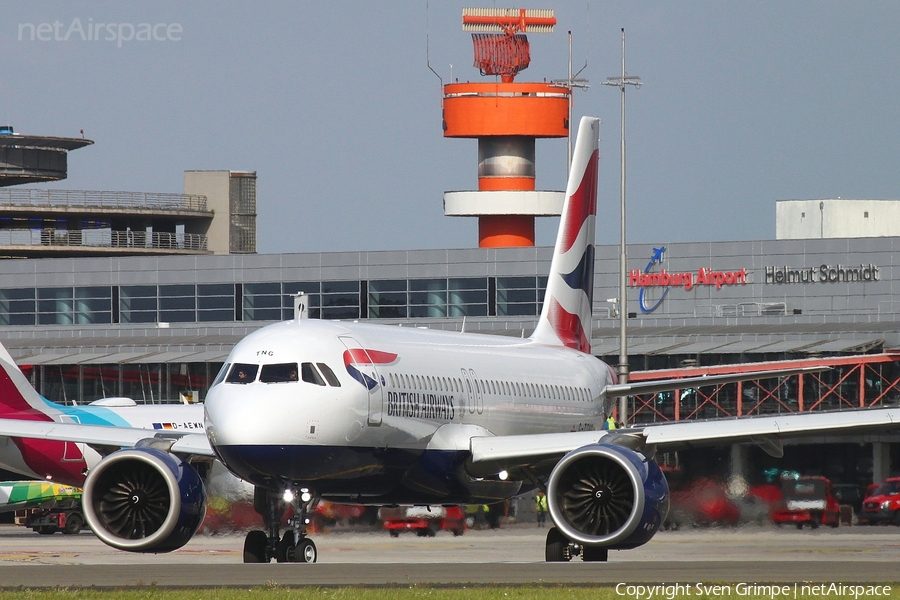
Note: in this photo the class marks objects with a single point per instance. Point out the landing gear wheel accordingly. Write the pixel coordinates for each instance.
(896, 519)
(74, 523)
(594, 554)
(305, 552)
(558, 549)
(255, 547)
(286, 550)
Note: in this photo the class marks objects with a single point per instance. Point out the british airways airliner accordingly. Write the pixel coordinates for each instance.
(377, 414)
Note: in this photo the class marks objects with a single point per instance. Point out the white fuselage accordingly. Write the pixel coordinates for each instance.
(397, 387)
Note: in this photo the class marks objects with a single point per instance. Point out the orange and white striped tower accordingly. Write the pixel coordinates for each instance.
(506, 118)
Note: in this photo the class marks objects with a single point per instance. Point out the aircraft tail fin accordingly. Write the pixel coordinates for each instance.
(18, 399)
(566, 314)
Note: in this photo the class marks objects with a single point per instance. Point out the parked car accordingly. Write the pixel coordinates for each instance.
(882, 505)
(807, 501)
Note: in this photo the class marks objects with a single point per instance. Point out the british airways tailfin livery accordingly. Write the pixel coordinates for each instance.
(377, 414)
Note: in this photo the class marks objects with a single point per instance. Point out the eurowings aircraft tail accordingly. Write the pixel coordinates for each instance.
(566, 315)
(18, 400)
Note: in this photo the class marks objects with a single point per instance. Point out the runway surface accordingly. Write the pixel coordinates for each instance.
(509, 556)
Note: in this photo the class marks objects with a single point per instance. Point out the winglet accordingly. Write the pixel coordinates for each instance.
(566, 314)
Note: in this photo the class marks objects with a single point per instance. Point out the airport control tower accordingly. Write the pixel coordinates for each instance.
(506, 118)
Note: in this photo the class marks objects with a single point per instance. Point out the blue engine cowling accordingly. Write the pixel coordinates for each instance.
(144, 500)
(607, 496)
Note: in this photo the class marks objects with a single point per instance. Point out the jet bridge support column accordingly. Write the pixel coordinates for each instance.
(881, 461)
(737, 480)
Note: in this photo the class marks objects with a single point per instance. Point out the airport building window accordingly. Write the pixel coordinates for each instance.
(137, 304)
(93, 305)
(178, 303)
(215, 302)
(54, 306)
(467, 296)
(388, 299)
(242, 201)
(274, 301)
(340, 300)
(262, 302)
(17, 306)
(428, 298)
(517, 296)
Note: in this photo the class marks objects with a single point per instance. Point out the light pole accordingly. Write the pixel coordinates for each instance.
(621, 82)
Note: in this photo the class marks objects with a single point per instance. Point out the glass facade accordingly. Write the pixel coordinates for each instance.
(242, 202)
(273, 301)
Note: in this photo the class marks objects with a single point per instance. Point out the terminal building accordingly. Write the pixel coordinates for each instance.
(158, 328)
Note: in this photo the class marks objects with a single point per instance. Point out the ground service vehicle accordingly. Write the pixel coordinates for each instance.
(43, 506)
(50, 520)
(883, 504)
(807, 501)
(426, 521)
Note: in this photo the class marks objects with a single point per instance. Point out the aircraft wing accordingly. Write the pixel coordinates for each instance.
(491, 454)
(105, 437)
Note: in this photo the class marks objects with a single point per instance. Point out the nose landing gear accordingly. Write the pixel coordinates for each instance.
(294, 546)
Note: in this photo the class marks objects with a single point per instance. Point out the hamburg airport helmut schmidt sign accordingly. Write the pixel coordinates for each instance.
(649, 279)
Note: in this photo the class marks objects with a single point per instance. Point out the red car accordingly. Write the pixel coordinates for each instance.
(807, 501)
(702, 502)
(426, 521)
(883, 504)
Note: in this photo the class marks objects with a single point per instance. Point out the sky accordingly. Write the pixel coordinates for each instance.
(335, 108)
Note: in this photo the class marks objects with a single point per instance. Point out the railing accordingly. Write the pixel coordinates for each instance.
(95, 199)
(104, 238)
(851, 383)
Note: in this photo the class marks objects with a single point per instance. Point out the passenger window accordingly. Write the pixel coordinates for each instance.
(329, 375)
(279, 373)
(242, 373)
(310, 375)
(221, 376)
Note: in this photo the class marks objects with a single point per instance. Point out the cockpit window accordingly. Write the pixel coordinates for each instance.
(329, 375)
(221, 376)
(279, 373)
(242, 373)
(310, 374)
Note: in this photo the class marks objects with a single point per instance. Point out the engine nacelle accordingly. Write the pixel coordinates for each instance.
(144, 500)
(607, 495)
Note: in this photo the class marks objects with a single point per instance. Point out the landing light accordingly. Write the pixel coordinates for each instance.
(288, 496)
(503, 475)
(305, 496)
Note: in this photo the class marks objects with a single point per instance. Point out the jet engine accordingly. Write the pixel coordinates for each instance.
(608, 496)
(144, 500)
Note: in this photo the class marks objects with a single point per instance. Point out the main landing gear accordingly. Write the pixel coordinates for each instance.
(560, 549)
(294, 546)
